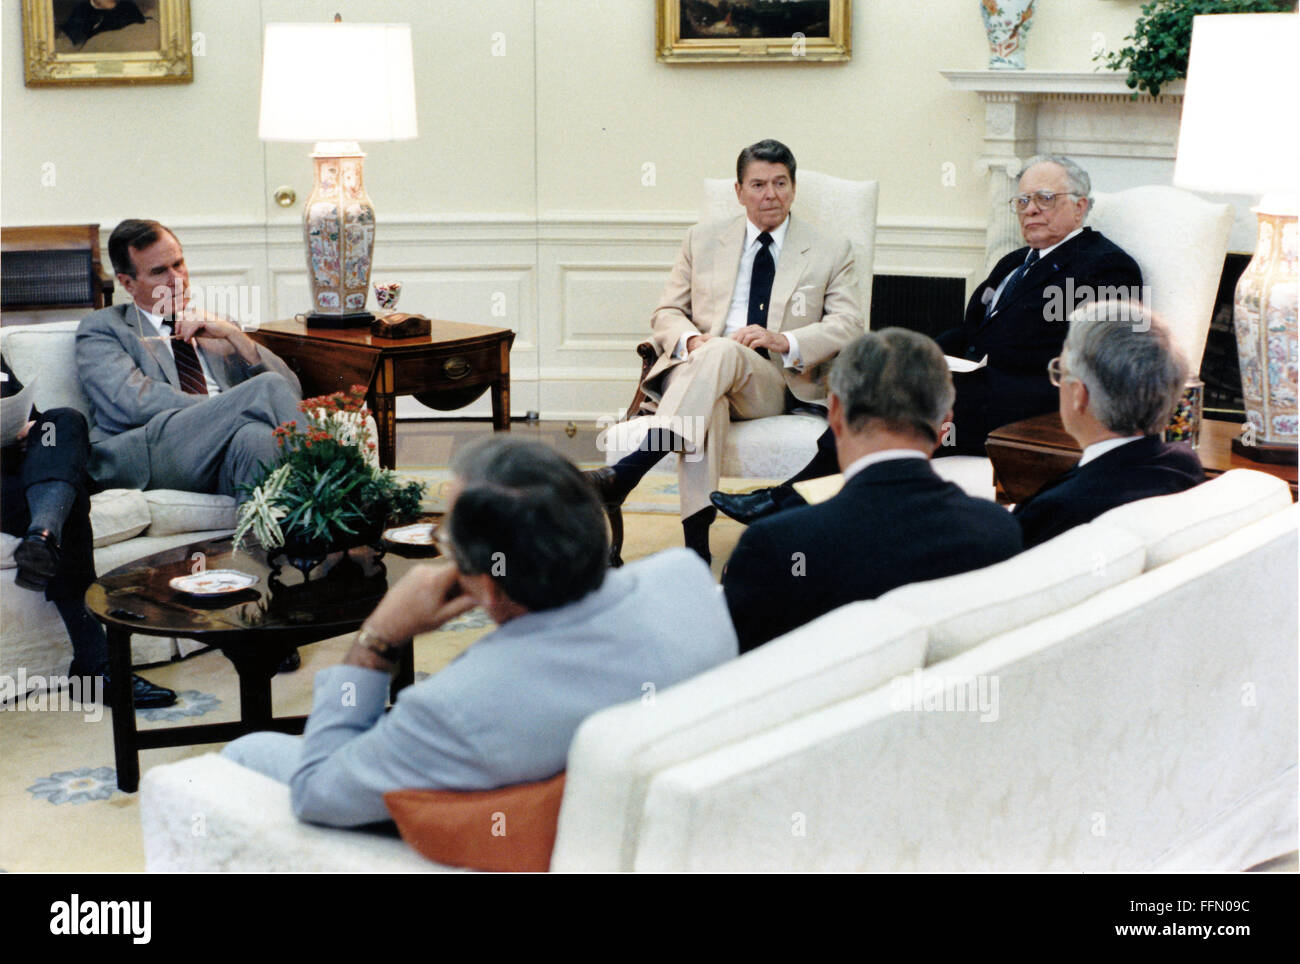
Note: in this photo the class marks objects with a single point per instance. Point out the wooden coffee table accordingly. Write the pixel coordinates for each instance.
(446, 369)
(1027, 455)
(255, 628)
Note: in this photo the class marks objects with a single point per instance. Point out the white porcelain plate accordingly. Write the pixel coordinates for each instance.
(213, 582)
(420, 534)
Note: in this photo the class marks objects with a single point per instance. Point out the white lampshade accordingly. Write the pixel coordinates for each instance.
(1239, 133)
(337, 82)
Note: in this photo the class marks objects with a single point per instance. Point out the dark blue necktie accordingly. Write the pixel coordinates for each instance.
(1014, 280)
(760, 284)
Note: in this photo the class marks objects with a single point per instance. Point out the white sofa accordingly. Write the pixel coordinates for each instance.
(1145, 718)
(127, 524)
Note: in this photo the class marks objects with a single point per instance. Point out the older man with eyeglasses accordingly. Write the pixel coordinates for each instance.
(1014, 322)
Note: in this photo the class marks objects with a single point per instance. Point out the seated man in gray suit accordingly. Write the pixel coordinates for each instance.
(179, 398)
(526, 540)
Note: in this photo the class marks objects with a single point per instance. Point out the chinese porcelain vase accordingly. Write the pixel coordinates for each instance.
(1007, 22)
(339, 223)
(1264, 316)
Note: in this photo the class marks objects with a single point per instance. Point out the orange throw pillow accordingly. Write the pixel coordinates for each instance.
(507, 829)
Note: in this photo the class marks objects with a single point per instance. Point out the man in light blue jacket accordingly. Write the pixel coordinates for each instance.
(526, 541)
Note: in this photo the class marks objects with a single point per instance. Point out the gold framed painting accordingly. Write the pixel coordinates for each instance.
(752, 31)
(106, 42)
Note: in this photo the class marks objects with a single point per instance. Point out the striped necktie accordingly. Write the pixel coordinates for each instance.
(187, 365)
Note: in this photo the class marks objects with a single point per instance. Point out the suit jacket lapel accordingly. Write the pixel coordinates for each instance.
(789, 269)
(1056, 263)
(154, 348)
(730, 246)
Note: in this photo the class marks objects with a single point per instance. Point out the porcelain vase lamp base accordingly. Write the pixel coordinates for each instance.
(339, 232)
(1264, 316)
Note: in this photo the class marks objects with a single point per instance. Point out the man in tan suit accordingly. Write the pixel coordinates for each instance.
(754, 312)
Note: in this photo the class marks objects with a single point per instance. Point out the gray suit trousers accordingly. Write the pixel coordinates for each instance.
(219, 444)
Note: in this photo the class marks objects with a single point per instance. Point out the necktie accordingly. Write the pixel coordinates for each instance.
(1014, 280)
(187, 366)
(760, 284)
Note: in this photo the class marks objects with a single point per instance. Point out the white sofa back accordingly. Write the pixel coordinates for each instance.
(50, 351)
(1154, 725)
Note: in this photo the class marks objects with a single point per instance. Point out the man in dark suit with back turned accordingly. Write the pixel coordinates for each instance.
(894, 522)
(1120, 378)
(1016, 319)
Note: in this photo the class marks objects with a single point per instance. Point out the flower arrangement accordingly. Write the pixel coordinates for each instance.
(327, 490)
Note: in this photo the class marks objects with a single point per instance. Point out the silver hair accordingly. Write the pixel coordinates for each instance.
(896, 377)
(1124, 355)
(1075, 176)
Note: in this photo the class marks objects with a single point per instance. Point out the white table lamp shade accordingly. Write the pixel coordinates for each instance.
(337, 82)
(1239, 133)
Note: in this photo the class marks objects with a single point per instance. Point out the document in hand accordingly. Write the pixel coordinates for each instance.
(15, 413)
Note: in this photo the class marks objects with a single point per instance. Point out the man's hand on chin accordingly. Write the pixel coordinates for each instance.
(194, 321)
(756, 337)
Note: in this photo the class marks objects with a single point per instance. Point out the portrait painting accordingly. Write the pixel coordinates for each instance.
(106, 42)
(752, 30)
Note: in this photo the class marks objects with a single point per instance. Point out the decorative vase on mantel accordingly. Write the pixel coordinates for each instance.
(1007, 23)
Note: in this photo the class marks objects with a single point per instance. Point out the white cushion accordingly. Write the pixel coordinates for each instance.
(1173, 525)
(8, 544)
(117, 515)
(1178, 240)
(172, 511)
(617, 751)
(50, 350)
(762, 448)
(208, 814)
(965, 610)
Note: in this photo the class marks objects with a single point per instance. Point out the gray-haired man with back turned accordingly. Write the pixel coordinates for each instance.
(527, 542)
(1120, 378)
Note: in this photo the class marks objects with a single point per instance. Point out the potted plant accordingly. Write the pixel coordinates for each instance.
(1162, 39)
(326, 494)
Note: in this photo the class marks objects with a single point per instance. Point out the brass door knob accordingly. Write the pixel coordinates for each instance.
(285, 196)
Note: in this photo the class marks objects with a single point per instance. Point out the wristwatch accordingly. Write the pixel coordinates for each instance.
(378, 645)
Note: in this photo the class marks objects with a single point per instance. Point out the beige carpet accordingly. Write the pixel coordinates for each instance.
(59, 802)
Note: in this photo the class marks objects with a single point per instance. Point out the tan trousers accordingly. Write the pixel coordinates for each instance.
(719, 381)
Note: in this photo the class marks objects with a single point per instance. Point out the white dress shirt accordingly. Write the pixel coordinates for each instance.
(154, 324)
(1097, 449)
(1043, 253)
(738, 315)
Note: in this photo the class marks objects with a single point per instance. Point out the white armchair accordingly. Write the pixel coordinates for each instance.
(1179, 241)
(778, 446)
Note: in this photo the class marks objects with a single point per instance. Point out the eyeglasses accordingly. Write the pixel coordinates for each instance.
(1046, 200)
(1056, 371)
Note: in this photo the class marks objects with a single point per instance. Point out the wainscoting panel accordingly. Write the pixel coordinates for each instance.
(578, 288)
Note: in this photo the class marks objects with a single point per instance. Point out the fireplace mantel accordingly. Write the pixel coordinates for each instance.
(1087, 115)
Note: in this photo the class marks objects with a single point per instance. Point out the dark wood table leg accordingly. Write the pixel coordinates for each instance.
(501, 393)
(126, 753)
(384, 406)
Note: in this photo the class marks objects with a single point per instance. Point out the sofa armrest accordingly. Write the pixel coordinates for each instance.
(208, 813)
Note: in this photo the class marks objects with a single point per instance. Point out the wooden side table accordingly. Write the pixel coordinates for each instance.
(1027, 455)
(446, 370)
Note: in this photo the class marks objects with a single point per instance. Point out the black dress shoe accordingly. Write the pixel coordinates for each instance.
(37, 558)
(145, 695)
(606, 483)
(290, 663)
(748, 507)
